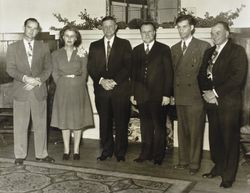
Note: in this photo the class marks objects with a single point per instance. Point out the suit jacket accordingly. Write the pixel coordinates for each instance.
(229, 74)
(186, 69)
(18, 66)
(119, 65)
(152, 74)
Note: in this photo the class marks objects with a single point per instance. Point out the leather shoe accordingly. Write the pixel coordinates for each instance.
(76, 156)
(47, 159)
(181, 166)
(120, 158)
(139, 160)
(19, 161)
(193, 171)
(66, 156)
(157, 162)
(209, 175)
(226, 184)
(103, 157)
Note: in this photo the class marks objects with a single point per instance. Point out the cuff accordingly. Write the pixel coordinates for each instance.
(100, 80)
(215, 93)
(23, 79)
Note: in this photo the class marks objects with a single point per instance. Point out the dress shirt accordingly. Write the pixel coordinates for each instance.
(27, 48)
(149, 45)
(111, 41)
(187, 42)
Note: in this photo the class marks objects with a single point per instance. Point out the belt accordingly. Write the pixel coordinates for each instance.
(71, 75)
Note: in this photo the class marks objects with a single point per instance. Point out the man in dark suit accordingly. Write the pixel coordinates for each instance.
(221, 78)
(29, 64)
(109, 66)
(187, 58)
(152, 79)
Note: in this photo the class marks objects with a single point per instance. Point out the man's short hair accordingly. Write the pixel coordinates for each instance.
(108, 18)
(224, 24)
(148, 23)
(191, 20)
(33, 20)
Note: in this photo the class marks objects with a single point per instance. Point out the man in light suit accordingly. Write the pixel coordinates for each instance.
(152, 79)
(109, 64)
(222, 78)
(29, 64)
(187, 58)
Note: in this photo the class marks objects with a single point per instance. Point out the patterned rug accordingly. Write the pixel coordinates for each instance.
(35, 177)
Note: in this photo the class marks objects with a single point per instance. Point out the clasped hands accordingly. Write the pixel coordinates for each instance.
(210, 97)
(108, 84)
(31, 82)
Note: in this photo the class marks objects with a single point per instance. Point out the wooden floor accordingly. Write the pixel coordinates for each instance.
(90, 150)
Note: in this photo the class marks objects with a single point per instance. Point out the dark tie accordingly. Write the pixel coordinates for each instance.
(108, 53)
(147, 49)
(184, 47)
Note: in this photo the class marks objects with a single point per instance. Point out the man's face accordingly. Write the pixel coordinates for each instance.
(185, 29)
(147, 33)
(219, 34)
(109, 27)
(31, 30)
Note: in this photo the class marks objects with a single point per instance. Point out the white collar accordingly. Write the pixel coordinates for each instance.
(149, 45)
(111, 41)
(220, 47)
(187, 41)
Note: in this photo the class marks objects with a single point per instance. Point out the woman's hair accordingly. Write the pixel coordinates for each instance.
(70, 28)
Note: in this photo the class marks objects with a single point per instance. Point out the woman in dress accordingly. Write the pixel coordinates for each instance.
(71, 107)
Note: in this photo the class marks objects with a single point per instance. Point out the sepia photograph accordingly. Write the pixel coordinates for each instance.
(124, 96)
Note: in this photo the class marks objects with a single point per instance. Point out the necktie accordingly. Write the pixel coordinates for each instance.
(211, 63)
(184, 47)
(29, 53)
(147, 49)
(108, 53)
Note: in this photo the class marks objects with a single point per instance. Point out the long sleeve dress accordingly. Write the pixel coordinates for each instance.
(71, 106)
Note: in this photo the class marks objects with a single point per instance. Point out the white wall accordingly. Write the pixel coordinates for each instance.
(216, 6)
(14, 12)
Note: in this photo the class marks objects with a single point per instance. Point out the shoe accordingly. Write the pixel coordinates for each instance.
(19, 161)
(47, 159)
(157, 162)
(66, 156)
(76, 156)
(193, 171)
(103, 157)
(226, 184)
(181, 166)
(209, 175)
(120, 158)
(139, 160)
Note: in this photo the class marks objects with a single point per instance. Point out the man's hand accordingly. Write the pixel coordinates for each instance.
(172, 101)
(108, 84)
(210, 97)
(132, 100)
(165, 100)
(31, 81)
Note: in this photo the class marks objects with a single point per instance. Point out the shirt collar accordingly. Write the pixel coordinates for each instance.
(220, 47)
(187, 41)
(26, 42)
(150, 45)
(111, 41)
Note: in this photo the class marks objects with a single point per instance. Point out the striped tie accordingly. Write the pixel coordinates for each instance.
(108, 54)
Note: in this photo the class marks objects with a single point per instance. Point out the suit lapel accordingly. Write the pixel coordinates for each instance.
(35, 53)
(23, 55)
(114, 47)
(179, 56)
(222, 55)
